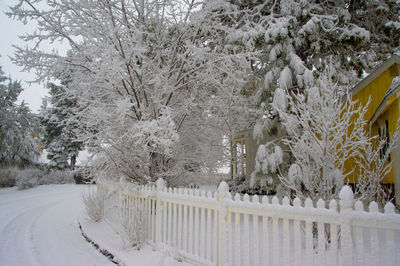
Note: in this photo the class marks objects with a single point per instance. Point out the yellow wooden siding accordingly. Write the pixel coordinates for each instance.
(376, 90)
(389, 115)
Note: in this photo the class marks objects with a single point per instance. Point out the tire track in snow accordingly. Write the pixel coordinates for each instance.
(22, 195)
(17, 235)
(40, 228)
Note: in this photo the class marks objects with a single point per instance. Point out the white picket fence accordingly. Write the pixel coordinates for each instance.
(216, 228)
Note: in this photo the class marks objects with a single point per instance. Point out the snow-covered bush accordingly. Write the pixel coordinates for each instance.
(57, 177)
(133, 228)
(268, 159)
(29, 177)
(325, 131)
(82, 176)
(32, 177)
(94, 205)
(8, 177)
(373, 167)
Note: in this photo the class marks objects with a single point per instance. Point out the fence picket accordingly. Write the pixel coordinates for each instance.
(296, 259)
(237, 239)
(246, 239)
(191, 230)
(153, 219)
(208, 234)
(309, 243)
(374, 247)
(148, 214)
(256, 245)
(266, 258)
(216, 229)
(174, 225)
(169, 223)
(321, 243)
(390, 248)
(196, 231)
(202, 233)
(286, 244)
(215, 235)
(275, 239)
(180, 227)
(164, 229)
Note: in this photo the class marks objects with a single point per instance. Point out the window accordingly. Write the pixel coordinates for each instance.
(384, 136)
(241, 158)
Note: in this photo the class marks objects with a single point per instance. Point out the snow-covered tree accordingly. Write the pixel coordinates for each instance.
(324, 131)
(296, 38)
(373, 166)
(59, 138)
(19, 128)
(269, 159)
(322, 136)
(144, 70)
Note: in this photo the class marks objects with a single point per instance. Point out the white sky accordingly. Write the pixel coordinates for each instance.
(9, 32)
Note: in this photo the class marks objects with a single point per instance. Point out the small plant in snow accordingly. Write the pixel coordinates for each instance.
(94, 205)
(133, 228)
(174, 253)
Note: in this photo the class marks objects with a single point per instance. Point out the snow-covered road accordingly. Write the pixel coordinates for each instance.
(39, 227)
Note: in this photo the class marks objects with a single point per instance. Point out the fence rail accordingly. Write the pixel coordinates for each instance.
(217, 228)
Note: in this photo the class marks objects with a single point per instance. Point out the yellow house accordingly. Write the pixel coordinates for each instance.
(383, 87)
(244, 150)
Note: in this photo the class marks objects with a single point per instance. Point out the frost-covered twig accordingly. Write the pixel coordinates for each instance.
(94, 205)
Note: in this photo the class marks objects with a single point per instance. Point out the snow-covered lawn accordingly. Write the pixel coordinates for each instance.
(39, 226)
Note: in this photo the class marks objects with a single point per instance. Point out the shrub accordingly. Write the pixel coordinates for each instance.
(58, 177)
(32, 177)
(82, 176)
(8, 177)
(28, 178)
(94, 205)
(133, 228)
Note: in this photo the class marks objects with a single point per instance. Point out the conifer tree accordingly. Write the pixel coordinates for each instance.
(59, 128)
(19, 128)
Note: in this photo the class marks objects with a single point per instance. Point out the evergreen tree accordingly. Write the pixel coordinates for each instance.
(19, 128)
(59, 137)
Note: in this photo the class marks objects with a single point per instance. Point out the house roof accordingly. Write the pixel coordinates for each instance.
(395, 59)
(391, 95)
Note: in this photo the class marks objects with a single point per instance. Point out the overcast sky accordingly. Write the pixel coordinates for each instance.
(9, 31)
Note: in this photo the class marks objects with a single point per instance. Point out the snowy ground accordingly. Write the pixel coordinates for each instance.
(39, 226)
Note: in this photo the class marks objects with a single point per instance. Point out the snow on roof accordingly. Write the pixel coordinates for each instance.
(395, 59)
(394, 87)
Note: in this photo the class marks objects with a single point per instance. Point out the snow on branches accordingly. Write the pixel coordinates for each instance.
(142, 73)
(268, 159)
(19, 128)
(324, 132)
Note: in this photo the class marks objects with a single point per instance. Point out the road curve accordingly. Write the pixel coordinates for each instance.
(39, 227)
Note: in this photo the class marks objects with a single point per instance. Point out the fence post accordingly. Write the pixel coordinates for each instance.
(160, 185)
(223, 190)
(346, 207)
